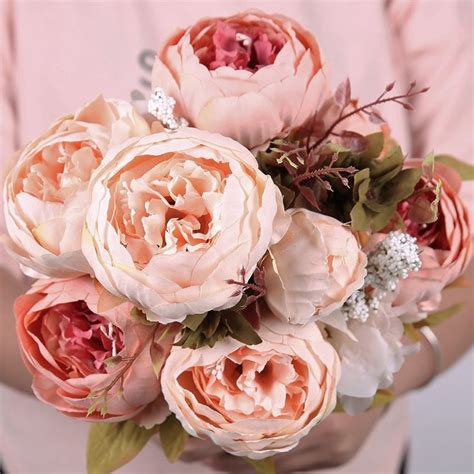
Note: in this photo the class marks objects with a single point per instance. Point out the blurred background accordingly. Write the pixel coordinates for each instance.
(442, 433)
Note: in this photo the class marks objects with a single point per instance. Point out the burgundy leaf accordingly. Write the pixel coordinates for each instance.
(345, 181)
(343, 93)
(326, 185)
(308, 194)
(390, 86)
(355, 141)
(407, 106)
(375, 117)
(312, 159)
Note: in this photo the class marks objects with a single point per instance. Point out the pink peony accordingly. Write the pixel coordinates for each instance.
(445, 245)
(313, 270)
(45, 193)
(251, 76)
(66, 338)
(254, 401)
(174, 217)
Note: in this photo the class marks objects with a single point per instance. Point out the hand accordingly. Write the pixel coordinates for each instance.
(332, 443)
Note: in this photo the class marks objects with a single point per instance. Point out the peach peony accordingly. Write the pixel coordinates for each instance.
(45, 193)
(445, 245)
(313, 270)
(254, 401)
(175, 216)
(66, 338)
(251, 76)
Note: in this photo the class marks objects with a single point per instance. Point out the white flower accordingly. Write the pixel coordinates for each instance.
(371, 353)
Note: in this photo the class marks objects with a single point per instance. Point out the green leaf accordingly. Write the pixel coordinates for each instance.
(212, 323)
(157, 357)
(336, 148)
(112, 445)
(193, 321)
(429, 165)
(411, 332)
(438, 317)
(113, 361)
(465, 170)
(375, 145)
(193, 340)
(382, 397)
(263, 466)
(241, 329)
(173, 438)
(140, 317)
(401, 187)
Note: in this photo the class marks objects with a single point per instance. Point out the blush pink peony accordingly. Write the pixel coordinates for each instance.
(250, 76)
(445, 245)
(66, 338)
(45, 193)
(174, 217)
(254, 401)
(313, 269)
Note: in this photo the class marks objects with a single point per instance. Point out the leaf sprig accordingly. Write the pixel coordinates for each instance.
(342, 97)
(100, 397)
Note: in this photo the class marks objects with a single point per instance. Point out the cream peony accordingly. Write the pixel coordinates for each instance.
(45, 193)
(174, 217)
(313, 270)
(254, 401)
(250, 76)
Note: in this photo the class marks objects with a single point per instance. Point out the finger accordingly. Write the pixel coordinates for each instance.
(198, 449)
(230, 464)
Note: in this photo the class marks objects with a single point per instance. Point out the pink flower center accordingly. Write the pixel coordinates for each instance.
(78, 339)
(266, 385)
(430, 235)
(240, 46)
(58, 171)
(173, 206)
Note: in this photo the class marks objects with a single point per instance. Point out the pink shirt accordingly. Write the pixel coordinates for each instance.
(55, 56)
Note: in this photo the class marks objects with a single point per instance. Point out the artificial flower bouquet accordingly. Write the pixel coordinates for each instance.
(235, 260)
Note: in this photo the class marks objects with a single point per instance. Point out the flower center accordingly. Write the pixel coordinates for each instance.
(239, 46)
(266, 385)
(79, 340)
(431, 235)
(174, 206)
(59, 170)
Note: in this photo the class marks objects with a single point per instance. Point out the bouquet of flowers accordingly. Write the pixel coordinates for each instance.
(234, 258)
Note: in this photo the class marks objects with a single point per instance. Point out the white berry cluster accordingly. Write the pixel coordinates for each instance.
(356, 306)
(162, 107)
(391, 261)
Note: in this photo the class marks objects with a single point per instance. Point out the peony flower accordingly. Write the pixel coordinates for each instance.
(254, 401)
(251, 76)
(67, 340)
(445, 245)
(174, 217)
(371, 352)
(45, 193)
(313, 270)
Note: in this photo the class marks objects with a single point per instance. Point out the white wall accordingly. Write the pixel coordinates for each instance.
(442, 422)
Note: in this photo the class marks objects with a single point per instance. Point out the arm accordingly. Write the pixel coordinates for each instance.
(12, 370)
